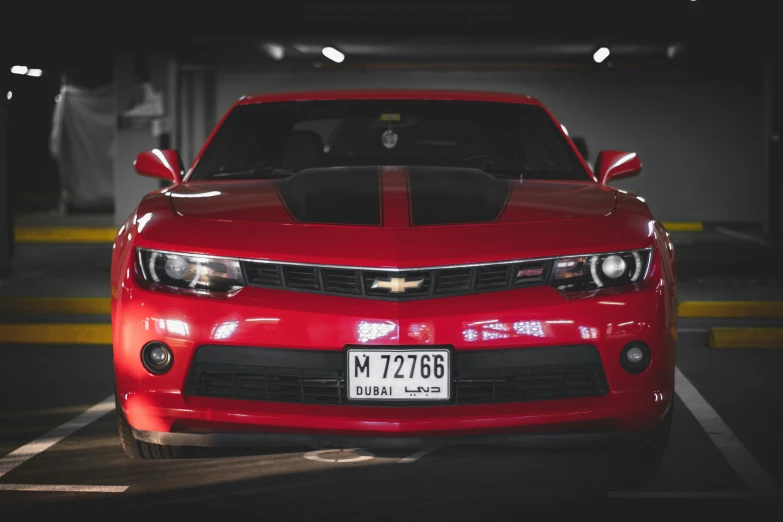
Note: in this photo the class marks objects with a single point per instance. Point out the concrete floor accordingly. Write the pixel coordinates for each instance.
(42, 387)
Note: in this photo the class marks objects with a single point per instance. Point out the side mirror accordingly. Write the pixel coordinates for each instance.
(613, 164)
(161, 164)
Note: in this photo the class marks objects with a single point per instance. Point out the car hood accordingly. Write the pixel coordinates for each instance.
(392, 197)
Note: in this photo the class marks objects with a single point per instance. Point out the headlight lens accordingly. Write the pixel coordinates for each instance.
(581, 273)
(189, 272)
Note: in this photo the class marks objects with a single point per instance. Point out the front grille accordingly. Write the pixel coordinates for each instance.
(533, 383)
(478, 377)
(264, 383)
(380, 284)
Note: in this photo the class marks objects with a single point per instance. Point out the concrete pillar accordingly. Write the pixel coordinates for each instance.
(196, 110)
(6, 215)
(130, 139)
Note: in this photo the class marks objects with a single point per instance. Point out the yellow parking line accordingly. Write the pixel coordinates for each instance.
(745, 338)
(56, 305)
(65, 234)
(56, 333)
(681, 226)
(731, 309)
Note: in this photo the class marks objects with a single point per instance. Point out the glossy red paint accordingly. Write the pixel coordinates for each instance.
(162, 164)
(613, 164)
(245, 219)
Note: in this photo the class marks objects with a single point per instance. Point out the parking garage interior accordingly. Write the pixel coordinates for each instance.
(694, 88)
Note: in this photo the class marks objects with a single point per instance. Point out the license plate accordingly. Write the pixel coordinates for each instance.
(399, 375)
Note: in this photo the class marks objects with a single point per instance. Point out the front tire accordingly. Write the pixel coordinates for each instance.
(138, 449)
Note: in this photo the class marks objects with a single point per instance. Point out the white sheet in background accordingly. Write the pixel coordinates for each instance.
(82, 142)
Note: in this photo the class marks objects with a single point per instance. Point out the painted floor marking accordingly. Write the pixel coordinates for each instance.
(678, 494)
(363, 454)
(46, 441)
(413, 457)
(736, 454)
(740, 235)
(63, 488)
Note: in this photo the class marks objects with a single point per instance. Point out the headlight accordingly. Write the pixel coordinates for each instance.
(189, 272)
(580, 273)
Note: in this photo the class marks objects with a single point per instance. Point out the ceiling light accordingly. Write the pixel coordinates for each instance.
(19, 69)
(333, 54)
(34, 72)
(273, 50)
(601, 54)
(9, 95)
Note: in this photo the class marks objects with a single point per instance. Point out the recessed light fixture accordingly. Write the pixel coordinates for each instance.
(601, 54)
(333, 54)
(34, 72)
(18, 69)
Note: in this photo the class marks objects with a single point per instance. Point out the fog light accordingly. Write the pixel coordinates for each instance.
(635, 357)
(157, 357)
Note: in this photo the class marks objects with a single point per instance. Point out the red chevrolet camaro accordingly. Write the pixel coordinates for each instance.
(391, 269)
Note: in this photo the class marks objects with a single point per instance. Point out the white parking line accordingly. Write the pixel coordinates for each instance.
(413, 457)
(678, 494)
(44, 442)
(739, 458)
(740, 235)
(60, 488)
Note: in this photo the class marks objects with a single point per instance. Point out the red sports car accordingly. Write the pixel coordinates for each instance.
(390, 269)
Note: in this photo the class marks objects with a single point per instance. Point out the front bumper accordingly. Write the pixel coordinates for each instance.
(159, 410)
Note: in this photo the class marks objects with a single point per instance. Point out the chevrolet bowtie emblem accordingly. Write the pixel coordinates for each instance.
(396, 285)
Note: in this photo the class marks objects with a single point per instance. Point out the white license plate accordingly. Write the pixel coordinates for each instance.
(400, 375)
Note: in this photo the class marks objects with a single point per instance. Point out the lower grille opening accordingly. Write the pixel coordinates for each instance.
(235, 373)
(266, 383)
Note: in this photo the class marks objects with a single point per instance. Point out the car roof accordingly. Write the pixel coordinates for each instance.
(390, 94)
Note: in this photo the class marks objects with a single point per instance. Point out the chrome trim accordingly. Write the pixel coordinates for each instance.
(385, 269)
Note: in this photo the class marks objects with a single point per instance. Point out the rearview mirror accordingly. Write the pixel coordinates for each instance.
(161, 164)
(613, 164)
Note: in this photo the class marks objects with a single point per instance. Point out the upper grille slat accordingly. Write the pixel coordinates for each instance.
(403, 285)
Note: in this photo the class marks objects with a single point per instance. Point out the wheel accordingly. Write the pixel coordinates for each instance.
(653, 443)
(137, 449)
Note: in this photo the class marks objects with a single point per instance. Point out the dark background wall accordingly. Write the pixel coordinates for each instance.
(698, 134)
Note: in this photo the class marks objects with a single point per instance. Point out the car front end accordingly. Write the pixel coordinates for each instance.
(243, 317)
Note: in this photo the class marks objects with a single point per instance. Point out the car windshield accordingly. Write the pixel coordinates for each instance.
(278, 138)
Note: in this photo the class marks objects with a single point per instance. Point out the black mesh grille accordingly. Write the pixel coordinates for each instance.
(478, 377)
(265, 383)
(493, 276)
(302, 277)
(412, 284)
(263, 274)
(342, 281)
(530, 383)
(453, 281)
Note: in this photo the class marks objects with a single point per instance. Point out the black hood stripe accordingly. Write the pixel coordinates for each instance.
(336, 196)
(455, 196)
